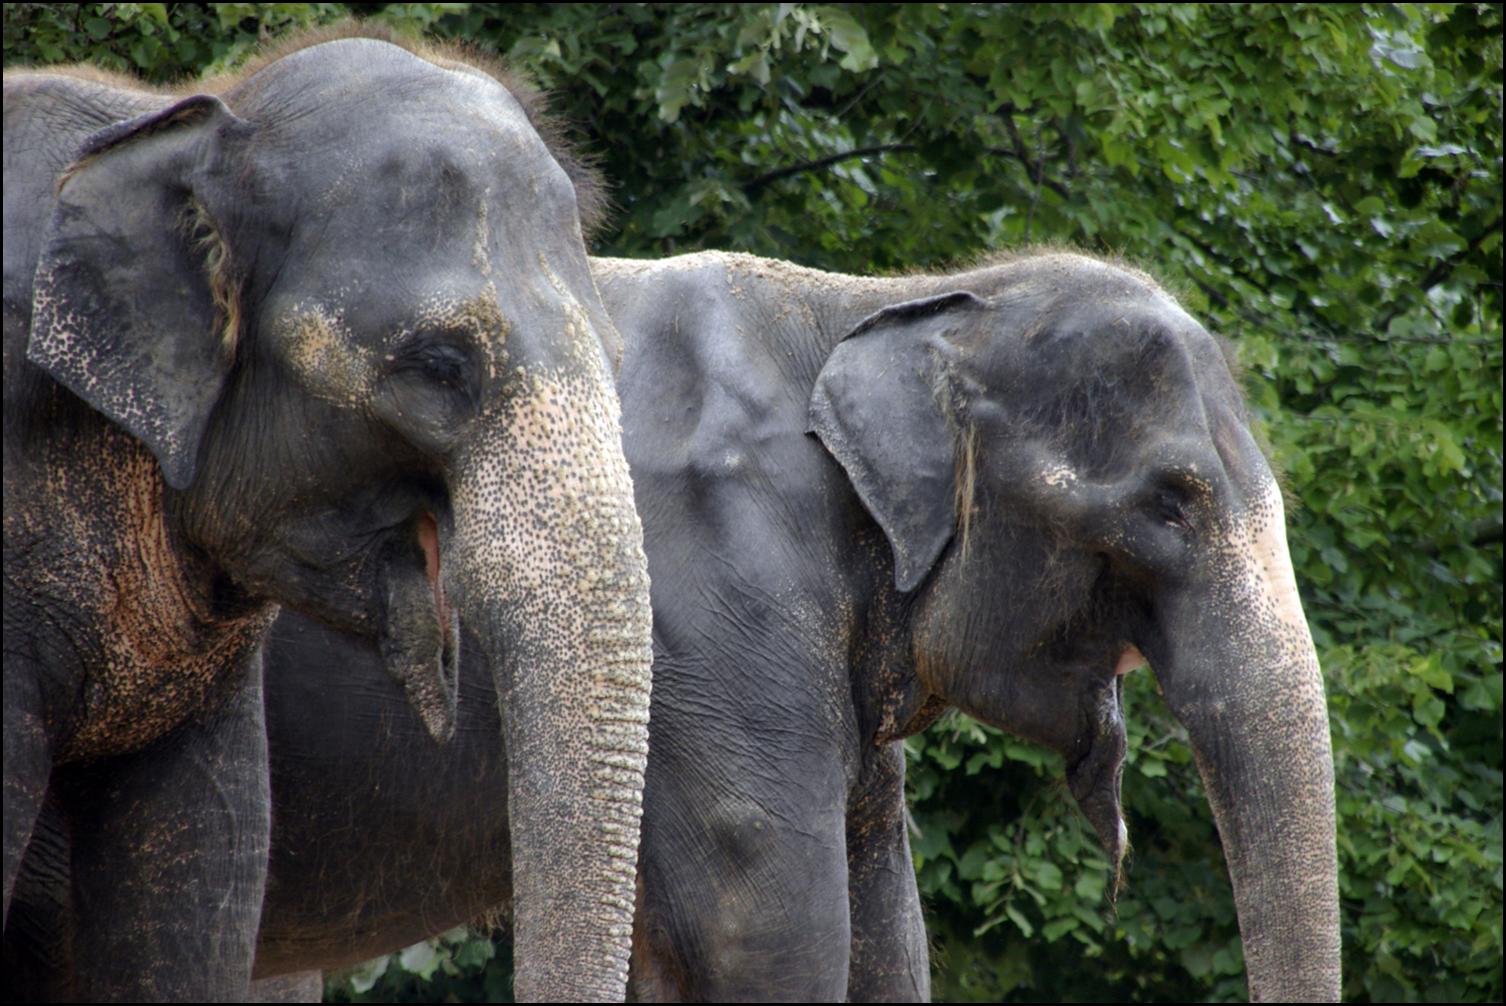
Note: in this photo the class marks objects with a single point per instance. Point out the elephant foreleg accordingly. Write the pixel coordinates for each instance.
(890, 960)
(38, 959)
(170, 858)
(28, 764)
(745, 894)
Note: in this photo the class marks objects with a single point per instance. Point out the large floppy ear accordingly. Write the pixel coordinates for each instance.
(881, 407)
(134, 281)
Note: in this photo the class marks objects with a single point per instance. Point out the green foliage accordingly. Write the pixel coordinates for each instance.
(457, 966)
(1321, 182)
(160, 42)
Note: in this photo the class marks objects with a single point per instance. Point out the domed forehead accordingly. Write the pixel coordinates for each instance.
(362, 109)
(462, 178)
(1067, 319)
(1088, 304)
(480, 143)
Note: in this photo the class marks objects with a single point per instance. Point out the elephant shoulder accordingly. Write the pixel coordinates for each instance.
(707, 392)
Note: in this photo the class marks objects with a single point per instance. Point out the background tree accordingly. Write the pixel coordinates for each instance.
(1322, 183)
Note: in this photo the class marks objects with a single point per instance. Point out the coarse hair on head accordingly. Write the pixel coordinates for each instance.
(591, 196)
(592, 199)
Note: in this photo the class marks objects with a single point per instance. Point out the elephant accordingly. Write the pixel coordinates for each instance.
(320, 335)
(865, 501)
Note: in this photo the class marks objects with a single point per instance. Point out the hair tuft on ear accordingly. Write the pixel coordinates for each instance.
(880, 407)
(206, 241)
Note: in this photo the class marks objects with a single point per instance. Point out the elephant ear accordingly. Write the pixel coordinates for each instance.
(880, 407)
(131, 280)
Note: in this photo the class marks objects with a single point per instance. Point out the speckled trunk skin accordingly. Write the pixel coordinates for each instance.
(1245, 681)
(569, 614)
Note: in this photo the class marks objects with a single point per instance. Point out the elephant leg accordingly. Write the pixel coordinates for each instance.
(745, 889)
(38, 955)
(28, 764)
(890, 959)
(298, 987)
(170, 858)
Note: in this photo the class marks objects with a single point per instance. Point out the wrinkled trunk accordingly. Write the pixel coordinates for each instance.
(551, 566)
(1241, 674)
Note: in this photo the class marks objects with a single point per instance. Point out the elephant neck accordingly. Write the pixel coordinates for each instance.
(891, 699)
(115, 583)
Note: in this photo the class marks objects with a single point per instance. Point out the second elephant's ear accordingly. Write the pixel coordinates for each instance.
(880, 406)
(133, 281)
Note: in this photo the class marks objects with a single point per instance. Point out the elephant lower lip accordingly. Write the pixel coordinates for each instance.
(1095, 778)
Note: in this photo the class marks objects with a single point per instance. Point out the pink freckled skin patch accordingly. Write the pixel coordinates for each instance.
(1130, 660)
(428, 540)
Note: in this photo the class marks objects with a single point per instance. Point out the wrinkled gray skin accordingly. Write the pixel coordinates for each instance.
(325, 338)
(1021, 478)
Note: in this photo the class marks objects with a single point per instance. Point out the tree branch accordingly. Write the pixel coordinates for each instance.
(1485, 531)
(1035, 169)
(823, 162)
(1036, 175)
(1444, 268)
(1221, 299)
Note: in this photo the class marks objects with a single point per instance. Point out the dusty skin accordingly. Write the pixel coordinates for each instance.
(814, 602)
(321, 335)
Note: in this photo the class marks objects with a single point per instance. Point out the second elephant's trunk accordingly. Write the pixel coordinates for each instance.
(1241, 673)
(556, 586)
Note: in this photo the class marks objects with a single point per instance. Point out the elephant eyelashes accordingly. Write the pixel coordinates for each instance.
(1171, 508)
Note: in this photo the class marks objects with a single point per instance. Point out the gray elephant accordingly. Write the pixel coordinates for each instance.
(323, 336)
(864, 501)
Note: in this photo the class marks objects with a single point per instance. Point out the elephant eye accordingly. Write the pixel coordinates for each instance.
(1171, 508)
(437, 361)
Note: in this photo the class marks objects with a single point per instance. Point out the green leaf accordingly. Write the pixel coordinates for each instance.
(1018, 918)
(850, 37)
(420, 959)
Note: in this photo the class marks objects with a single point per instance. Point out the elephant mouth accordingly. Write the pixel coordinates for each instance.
(1094, 778)
(428, 540)
(1130, 660)
(420, 635)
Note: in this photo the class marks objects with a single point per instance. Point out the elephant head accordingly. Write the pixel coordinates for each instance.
(346, 307)
(1064, 470)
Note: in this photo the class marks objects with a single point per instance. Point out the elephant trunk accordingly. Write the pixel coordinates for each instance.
(1241, 674)
(552, 568)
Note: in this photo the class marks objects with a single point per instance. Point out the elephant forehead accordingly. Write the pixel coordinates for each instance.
(418, 196)
(359, 94)
(363, 141)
